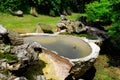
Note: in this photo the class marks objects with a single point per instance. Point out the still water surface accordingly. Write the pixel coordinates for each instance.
(67, 46)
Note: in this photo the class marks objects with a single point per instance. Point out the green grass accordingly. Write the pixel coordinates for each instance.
(28, 23)
(104, 71)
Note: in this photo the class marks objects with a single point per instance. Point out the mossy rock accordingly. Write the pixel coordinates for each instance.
(44, 28)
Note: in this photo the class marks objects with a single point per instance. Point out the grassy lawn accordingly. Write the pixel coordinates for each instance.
(104, 70)
(29, 23)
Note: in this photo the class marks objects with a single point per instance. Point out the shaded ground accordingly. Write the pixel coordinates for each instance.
(103, 69)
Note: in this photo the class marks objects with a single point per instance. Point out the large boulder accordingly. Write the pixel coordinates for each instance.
(33, 12)
(43, 28)
(14, 58)
(70, 26)
(15, 38)
(16, 13)
(100, 34)
(19, 56)
(14, 55)
(79, 26)
(9, 37)
(27, 52)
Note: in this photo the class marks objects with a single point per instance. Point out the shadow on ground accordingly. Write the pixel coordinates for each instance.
(109, 48)
(89, 75)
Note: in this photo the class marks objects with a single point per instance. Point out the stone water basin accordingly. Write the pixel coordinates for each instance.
(69, 56)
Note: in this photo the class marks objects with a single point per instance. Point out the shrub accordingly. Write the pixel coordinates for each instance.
(107, 10)
(99, 10)
(114, 31)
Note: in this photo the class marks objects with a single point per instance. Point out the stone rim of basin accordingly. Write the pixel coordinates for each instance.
(94, 48)
(75, 67)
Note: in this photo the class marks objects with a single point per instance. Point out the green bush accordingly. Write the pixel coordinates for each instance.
(107, 10)
(114, 31)
(99, 10)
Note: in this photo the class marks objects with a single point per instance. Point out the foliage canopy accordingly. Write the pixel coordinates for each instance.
(51, 7)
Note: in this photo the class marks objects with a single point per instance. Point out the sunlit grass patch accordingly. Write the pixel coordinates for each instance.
(28, 23)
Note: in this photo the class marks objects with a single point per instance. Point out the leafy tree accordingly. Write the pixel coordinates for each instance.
(51, 7)
(79, 5)
(13, 4)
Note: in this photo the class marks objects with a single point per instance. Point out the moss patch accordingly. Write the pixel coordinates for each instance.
(9, 57)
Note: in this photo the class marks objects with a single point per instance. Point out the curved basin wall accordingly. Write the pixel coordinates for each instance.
(66, 46)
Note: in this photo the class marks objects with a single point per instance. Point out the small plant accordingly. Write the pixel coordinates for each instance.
(9, 57)
(52, 13)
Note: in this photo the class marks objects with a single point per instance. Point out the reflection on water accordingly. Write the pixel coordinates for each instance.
(70, 47)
